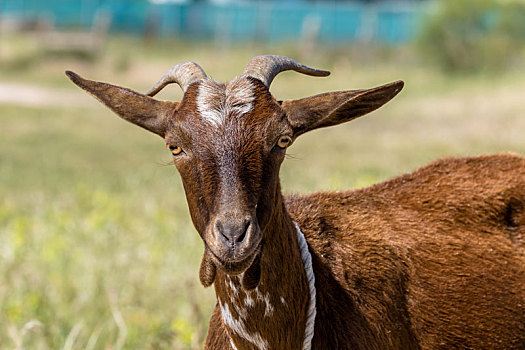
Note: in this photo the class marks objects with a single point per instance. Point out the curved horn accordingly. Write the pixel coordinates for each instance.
(184, 74)
(266, 67)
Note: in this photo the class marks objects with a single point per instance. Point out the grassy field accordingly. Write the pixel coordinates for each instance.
(96, 246)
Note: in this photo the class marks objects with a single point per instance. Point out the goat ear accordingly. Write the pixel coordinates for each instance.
(334, 108)
(139, 109)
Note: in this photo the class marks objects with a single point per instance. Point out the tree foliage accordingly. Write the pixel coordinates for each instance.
(474, 35)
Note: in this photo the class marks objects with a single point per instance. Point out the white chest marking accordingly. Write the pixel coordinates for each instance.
(237, 325)
(249, 301)
(239, 328)
(233, 287)
(268, 310)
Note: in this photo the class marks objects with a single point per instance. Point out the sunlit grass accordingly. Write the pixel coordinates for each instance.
(97, 249)
(87, 235)
(89, 260)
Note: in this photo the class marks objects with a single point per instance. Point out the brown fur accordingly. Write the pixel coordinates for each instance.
(429, 260)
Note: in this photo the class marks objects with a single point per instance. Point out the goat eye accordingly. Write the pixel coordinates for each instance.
(284, 141)
(175, 150)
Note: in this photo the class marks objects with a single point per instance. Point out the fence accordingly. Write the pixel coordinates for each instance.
(332, 22)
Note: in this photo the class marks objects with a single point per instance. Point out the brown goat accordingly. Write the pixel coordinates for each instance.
(429, 260)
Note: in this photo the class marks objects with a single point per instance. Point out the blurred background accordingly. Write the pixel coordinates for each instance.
(96, 246)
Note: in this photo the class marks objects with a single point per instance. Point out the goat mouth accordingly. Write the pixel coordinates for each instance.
(236, 265)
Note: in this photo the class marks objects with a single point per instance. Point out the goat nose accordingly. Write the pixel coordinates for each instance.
(232, 231)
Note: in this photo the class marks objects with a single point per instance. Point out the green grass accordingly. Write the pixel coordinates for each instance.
(96, 245)
(86, 235)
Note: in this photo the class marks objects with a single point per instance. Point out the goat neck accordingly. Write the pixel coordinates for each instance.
(273, 314)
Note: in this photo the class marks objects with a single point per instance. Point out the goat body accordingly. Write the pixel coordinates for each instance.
(432, 259)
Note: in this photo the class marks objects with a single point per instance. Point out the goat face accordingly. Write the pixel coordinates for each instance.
(228, 142)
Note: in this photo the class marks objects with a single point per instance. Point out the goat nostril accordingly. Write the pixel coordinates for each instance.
(220, 230)
(231, 232)
(243, 232)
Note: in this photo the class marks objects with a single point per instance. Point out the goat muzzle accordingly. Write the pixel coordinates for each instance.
(233, 242)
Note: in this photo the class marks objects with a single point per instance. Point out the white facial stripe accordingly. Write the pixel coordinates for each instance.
(239, 96)
(215, 101)
(209, 99)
